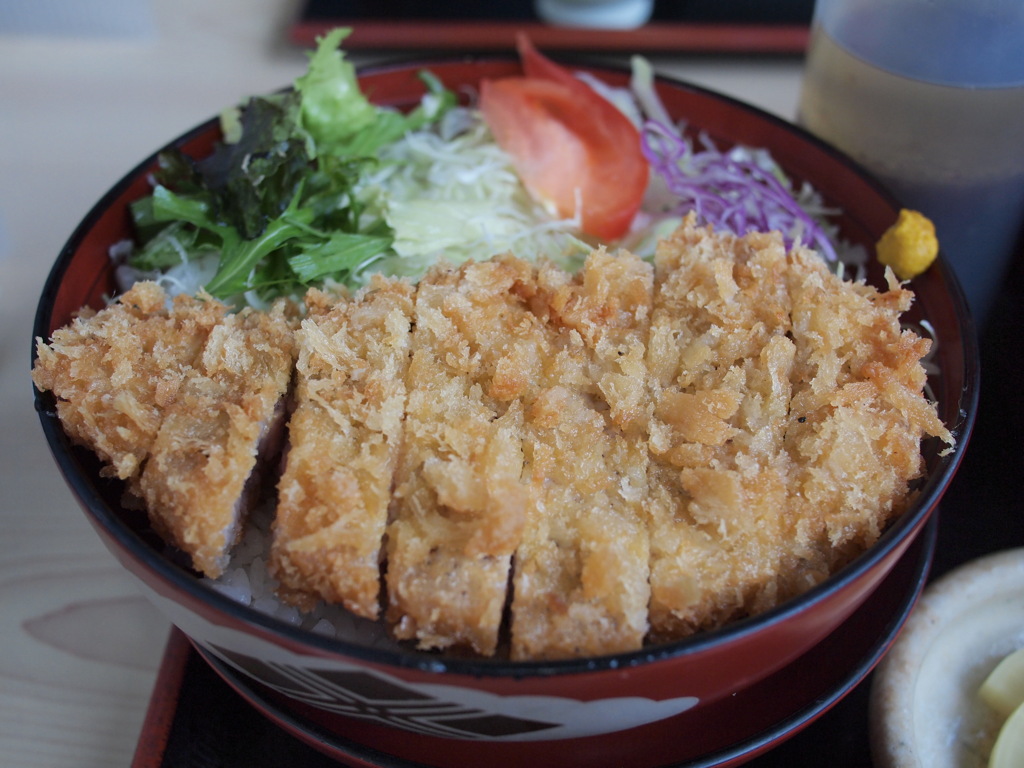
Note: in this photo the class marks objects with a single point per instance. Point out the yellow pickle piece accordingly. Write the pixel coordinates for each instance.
(1008, 751)
(909, 246)
(1003, 689)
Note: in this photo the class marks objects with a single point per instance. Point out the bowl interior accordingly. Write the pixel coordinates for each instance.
(84, 276)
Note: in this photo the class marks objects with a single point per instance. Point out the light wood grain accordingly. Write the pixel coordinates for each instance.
(80, 647)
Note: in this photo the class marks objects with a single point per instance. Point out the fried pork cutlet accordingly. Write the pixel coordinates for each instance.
(788, 415)
(856, 421)
(344, 437)
(580, 584)
(114, 372)
(460, 500)
(720, 361)
(630, 454)
(180, 402)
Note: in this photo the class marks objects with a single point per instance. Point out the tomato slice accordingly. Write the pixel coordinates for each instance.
(572, 148)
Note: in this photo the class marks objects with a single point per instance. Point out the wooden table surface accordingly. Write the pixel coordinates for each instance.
(82, 100)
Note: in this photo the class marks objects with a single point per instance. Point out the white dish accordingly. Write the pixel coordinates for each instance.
(925, 709)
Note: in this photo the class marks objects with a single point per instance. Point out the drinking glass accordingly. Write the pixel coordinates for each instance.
(928, 95)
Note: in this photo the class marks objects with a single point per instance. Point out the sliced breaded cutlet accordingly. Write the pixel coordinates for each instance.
(857, 418)
(113, 372)
(344, 436)
(788, 420)
(460, 501)
(181, 401)
(224, 428)
(580, 584)
(720, 360)
(575, 463)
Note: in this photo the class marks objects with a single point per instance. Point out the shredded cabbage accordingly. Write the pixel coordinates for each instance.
(456, 197)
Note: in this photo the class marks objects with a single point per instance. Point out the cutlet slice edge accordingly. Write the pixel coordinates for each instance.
(344, 440)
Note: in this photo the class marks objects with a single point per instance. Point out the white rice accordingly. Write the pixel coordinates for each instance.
(248, 581)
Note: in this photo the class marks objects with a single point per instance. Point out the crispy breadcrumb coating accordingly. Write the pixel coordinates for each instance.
(857, 418)
(344, 437)
(580, 584)
(531, 462)
(788, 419)
(460, 502)
(113, 372)
(179, 401)
(720, 360)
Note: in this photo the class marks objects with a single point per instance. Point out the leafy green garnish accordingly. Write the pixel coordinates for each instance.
(254, 180)
(278, 198)
(333, 107)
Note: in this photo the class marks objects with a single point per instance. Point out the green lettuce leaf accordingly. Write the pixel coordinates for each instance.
(277, 198)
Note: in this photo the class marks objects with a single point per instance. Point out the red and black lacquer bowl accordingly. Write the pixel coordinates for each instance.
(644, 708)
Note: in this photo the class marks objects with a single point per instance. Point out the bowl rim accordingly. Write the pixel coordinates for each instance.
(93, 504)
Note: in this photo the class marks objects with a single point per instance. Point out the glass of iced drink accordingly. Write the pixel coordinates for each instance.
(928, 95)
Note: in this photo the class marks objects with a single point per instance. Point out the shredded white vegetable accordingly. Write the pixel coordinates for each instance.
(457, 198)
